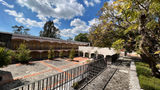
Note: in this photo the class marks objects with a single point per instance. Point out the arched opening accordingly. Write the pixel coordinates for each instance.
(76, 53)
(34, 44)
(100, 56)
(35, 55)
(87, 55)
(44, 55)
(0, 78)
(67, 54)
(16, 43)
(80, 54)
(45, 45)
(108, 59)
(93, 55)
(64, 53)
(56, 54)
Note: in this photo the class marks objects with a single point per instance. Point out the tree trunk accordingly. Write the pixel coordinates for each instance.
(152, 65)
(146, 55)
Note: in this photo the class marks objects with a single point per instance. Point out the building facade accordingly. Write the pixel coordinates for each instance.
(39, 46)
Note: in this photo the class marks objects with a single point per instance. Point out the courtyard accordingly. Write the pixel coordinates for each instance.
(37, 70)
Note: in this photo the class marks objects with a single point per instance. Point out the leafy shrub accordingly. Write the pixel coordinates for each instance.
(23, 54)
(88, 61)
(51, 54)
(5, 56)
(146, 80)
(158, 66)
(75, 85)
(72, 54)
(61, 54)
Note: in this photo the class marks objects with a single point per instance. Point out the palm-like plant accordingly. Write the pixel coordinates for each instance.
(20, 30)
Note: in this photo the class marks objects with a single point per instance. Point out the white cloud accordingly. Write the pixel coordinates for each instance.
(94, 21)
(78, 25)
(13, 13)
(110, 2)
(97, 1)
(77, 22)
(29, 23)
(6, 4)
(88, 3)
(41, 17)
(59, 9)
(19, 17)
(91, 2)
(57, 21)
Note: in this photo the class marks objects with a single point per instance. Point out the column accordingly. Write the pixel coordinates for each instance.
(83, 54)
(105, 59)
(96, 56)
(89, 55)
(78, 54)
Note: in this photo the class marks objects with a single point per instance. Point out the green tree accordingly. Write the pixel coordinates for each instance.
(49, 30)
(133, 25)
(20, 30)
(82, 37)
(5, 56)
(23, 54)
(61, 54)
(51, 53)
(72, 54)
(137, 23)
(118, 45)
(100, 37)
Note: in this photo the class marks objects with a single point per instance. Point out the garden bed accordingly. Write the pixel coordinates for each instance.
(147, 81)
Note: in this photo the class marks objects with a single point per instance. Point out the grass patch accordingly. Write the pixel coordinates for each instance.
(147, 81)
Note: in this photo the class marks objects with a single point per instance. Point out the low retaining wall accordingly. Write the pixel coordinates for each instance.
(5, 77)
(134, 81)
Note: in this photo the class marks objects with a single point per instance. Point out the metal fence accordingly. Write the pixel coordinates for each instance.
(64, 80)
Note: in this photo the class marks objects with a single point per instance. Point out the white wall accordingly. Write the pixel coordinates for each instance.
(103, 51)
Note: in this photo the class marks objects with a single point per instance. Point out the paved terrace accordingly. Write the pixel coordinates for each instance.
(37, 70)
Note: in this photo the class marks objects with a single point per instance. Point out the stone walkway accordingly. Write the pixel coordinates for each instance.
(119, 81)
(37, 70)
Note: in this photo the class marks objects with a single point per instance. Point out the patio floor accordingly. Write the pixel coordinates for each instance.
(37, 70)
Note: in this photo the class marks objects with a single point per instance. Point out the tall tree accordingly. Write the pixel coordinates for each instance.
(82, 37)
(49, 30)
(135, 26)
(20, 30)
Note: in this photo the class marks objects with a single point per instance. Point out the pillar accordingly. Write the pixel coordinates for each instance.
(96, 56)
(83, 54)
(78, 54)
(105, 58)
(89, 55)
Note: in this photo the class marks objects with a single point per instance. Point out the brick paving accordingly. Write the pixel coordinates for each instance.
(38, 70)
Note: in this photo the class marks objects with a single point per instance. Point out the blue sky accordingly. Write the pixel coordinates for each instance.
(70, 16)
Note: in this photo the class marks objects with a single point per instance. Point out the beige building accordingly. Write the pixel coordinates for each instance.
(39, 46)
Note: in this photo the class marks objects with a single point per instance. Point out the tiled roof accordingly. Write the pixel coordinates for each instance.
(42, 39)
